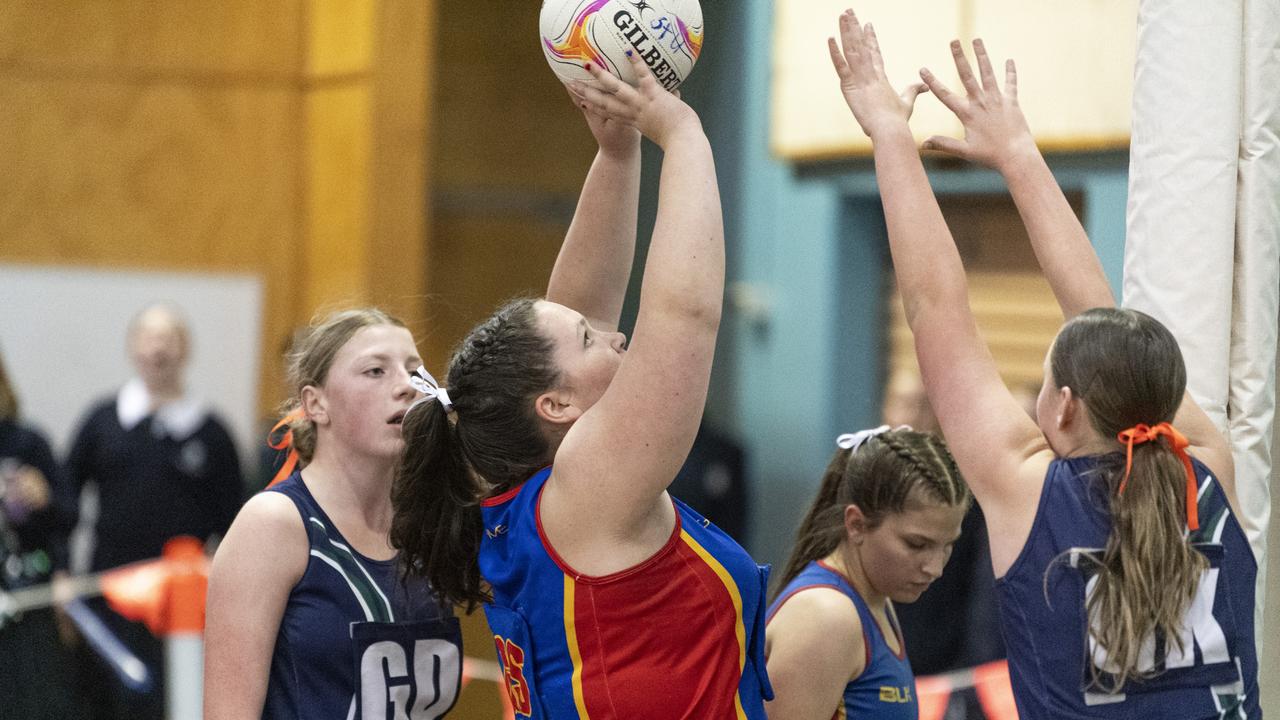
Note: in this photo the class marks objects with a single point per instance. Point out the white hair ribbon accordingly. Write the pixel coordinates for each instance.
(423, 382)
(853, 441)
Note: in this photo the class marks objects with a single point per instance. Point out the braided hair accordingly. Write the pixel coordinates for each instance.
(491, 442)
(879, 477)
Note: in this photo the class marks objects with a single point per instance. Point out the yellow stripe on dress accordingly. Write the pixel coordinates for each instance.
(739, 628)
(571, 637)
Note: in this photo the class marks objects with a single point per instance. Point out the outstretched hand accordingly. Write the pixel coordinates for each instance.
(613, 136)
(995, 130)
(650, 108)
(875, 104)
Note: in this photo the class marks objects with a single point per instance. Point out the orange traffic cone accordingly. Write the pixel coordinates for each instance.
(168, 595)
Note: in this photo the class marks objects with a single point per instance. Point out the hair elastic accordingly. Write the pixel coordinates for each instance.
(423, 382)
(853, 441)
(285, 442)
(1142, 433)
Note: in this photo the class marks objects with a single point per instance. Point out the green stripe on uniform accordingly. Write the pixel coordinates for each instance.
(338, 556)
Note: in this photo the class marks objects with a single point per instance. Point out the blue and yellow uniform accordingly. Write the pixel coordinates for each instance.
(886, 687)
(356, 642)
(1042, 609)
(681, 635)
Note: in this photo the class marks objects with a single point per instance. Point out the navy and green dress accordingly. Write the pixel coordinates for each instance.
(356, 640)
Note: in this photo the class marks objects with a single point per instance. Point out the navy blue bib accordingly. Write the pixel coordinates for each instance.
(1043, 599)
(356, 642)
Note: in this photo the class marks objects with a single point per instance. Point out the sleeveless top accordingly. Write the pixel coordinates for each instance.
(355, 641)
(1042, 608)
(680, 635)
(886, 688)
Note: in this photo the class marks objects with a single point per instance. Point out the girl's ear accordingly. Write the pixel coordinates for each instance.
(314, 406)
(855, 524)
(556, 408)
(1068, 407)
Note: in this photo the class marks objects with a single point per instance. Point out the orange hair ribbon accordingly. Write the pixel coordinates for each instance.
(1142, 433)
(284, 442)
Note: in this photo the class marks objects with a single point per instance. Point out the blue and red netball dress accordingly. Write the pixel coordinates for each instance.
(680, 635)
(886, 688)
(1042, 609)
(356, 642)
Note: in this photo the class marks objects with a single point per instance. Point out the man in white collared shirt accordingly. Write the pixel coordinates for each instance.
(164, 466)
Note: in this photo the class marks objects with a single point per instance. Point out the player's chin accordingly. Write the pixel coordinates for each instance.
(909, 593)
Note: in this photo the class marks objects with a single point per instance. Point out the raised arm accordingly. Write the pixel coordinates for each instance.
(988, 433)
(997, 136)
(618, 459)
(594, 265)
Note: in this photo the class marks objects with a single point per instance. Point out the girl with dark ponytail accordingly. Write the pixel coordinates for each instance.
(1125, 582)
(879, 532)
(536, 484)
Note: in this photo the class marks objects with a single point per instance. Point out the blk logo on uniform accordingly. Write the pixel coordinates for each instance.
(891, 694)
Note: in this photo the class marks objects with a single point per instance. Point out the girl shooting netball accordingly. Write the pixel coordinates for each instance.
(539, 489)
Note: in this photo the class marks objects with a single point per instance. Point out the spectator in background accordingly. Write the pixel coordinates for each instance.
(906, 404)
(35, 520)
(164, 466)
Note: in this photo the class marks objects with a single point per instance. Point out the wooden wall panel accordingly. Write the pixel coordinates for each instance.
(479, 699)
(154, 176)
(484, 262)
(124, 38)
(106, 172)
(1017, 316)
(338, 154)
(240, 136)
(402, 173)
(503, 116)
(1013, 303)
(340, 37)
(509, 154)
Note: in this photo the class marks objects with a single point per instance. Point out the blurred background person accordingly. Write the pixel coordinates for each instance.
(906, 404)
(35, 521)
(164, 466)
